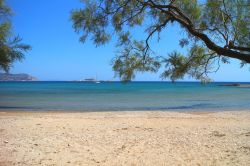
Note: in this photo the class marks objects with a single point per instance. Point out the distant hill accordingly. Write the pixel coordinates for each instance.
(16, 77)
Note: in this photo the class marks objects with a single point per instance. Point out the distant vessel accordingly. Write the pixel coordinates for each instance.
(97, 82)
(91, 80)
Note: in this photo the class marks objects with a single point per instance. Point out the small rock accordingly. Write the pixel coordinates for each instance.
(247, 134)
(6, 141)
(217, 134)
(246, 148)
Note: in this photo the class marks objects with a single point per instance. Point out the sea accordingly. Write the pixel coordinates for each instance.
(118, 96)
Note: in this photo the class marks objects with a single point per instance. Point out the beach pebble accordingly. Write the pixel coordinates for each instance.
(6, 141)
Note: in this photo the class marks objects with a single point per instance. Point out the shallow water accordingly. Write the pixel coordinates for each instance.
(115, 96)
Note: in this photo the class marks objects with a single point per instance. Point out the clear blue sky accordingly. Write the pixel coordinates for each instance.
(57, 54)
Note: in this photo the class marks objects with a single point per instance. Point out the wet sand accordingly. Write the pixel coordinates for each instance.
(125, 138)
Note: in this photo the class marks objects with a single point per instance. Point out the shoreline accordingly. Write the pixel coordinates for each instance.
(125, 138)
(121, 111)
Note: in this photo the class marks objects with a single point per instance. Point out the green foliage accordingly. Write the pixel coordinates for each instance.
(176, 66)
(11, 48)
(190, 8)
(132, 60)
(229, 20)
(196, 64)
(225, 23)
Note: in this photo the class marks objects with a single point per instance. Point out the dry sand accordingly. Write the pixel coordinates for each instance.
(125, 138)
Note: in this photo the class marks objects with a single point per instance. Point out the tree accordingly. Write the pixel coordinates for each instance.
(216, 31)
(11, 48)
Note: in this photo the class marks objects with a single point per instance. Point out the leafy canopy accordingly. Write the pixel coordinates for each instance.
(216, 30)
(11, 48)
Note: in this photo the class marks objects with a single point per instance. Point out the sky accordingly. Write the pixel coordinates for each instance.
(58, 55)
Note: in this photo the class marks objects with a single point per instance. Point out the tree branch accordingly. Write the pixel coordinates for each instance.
(208, 42)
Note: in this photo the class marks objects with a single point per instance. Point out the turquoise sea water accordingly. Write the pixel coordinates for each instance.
(115, 96)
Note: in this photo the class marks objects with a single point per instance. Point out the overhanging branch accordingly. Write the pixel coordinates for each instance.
(179, 17)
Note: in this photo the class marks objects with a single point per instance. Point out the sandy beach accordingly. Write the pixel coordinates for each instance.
(125, 138)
